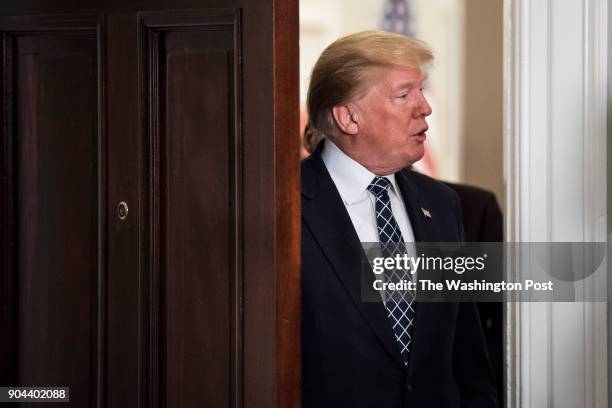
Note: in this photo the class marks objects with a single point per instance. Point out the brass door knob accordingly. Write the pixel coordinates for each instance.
(122, 210)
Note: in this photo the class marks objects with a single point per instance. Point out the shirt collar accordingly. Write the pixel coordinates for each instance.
(350, 177)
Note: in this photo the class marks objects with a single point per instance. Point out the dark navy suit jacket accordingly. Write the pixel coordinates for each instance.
(349, 354)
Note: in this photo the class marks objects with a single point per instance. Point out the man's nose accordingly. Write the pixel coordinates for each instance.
(424, 107)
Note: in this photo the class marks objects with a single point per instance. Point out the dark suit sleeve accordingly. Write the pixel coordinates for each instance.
(492, 227)
(472, 370)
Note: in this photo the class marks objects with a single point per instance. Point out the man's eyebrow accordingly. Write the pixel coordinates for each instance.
(406, 85)
(410, 84)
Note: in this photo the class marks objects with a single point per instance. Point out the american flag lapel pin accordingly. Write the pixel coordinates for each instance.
(426, 213)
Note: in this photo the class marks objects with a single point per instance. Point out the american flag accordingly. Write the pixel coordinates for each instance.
(398, 17)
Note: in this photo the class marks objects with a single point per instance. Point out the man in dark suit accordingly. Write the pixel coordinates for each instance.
(366, 96)
(483, 222)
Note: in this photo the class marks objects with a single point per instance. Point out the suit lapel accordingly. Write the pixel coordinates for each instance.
(425, 230)
(325, 215)
(423, 227)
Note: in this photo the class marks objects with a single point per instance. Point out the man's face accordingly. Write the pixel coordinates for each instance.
(392, 121)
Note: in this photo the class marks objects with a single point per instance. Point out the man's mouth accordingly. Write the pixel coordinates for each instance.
(422, 132)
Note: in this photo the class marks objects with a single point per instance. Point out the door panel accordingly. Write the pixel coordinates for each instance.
(195, 180)
(57, 248)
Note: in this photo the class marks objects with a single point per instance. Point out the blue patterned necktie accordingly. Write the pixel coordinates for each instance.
(399, 304)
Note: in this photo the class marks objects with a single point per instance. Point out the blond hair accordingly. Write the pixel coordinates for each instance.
(343, 70)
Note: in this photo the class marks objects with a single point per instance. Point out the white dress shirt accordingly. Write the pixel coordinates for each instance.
(352, 181)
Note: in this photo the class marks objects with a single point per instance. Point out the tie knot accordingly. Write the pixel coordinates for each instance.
(379, 185)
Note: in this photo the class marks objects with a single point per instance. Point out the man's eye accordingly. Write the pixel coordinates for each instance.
(403, 96)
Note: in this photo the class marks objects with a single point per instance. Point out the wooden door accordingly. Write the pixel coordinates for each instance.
(149, 207)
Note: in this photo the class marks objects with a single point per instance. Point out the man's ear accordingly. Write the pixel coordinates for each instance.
(346, 120)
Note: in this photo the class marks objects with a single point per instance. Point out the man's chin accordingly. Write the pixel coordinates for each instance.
(415, 157)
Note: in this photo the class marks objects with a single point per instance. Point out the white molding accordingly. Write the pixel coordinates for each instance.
(555, 104)
(595, 197)
(516, 383)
